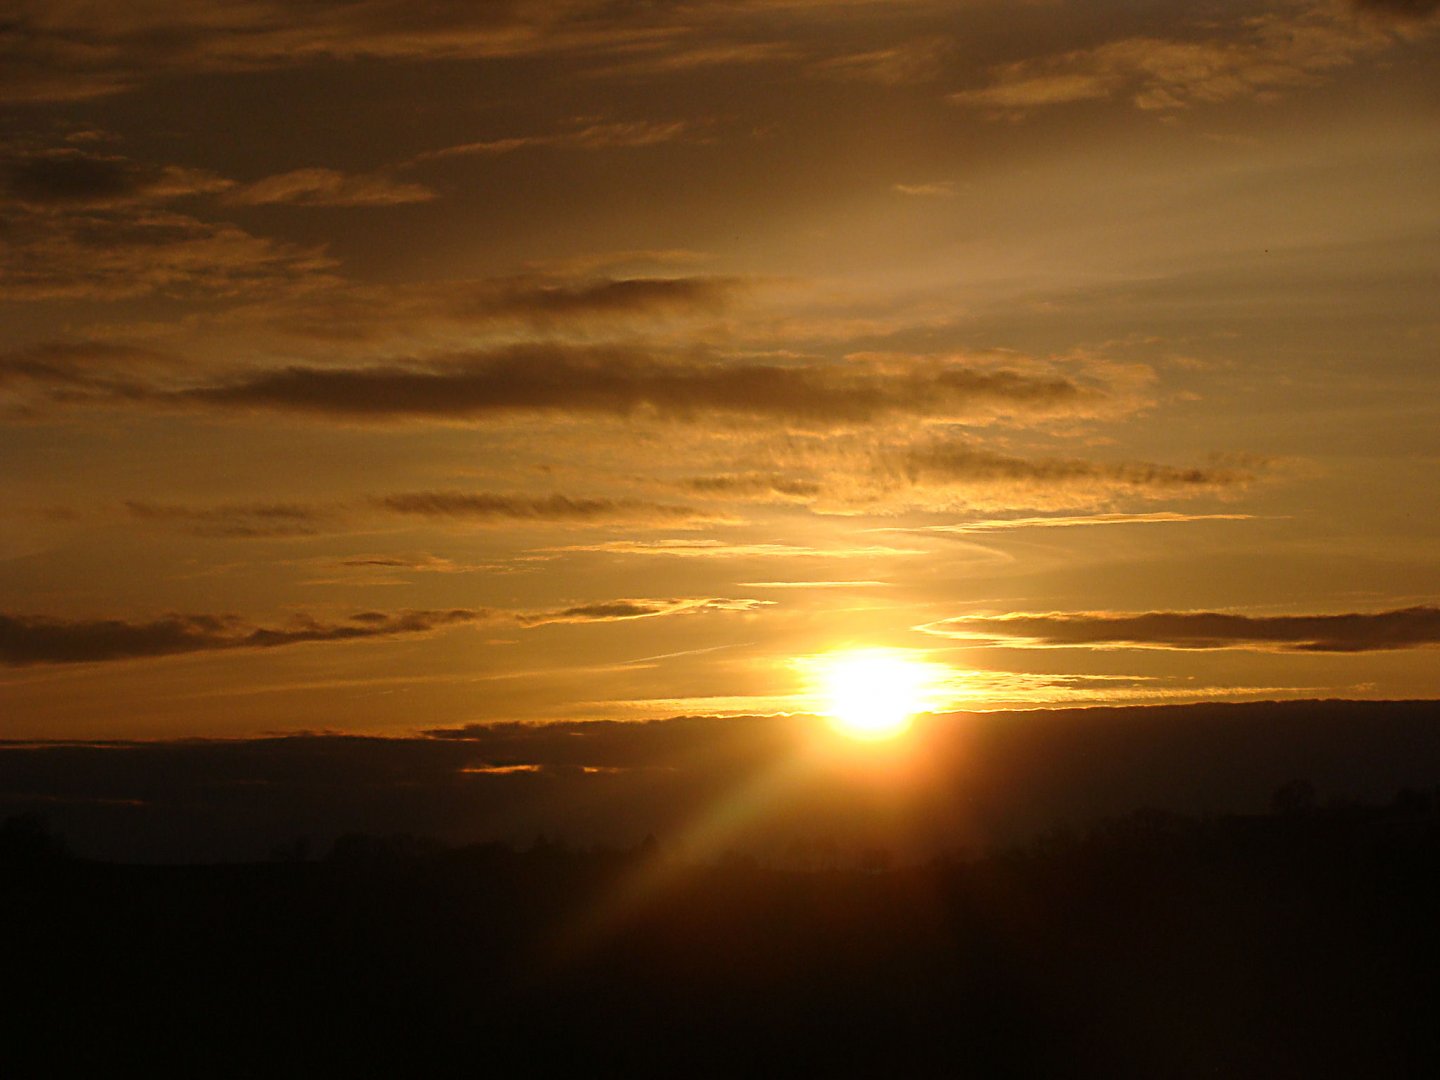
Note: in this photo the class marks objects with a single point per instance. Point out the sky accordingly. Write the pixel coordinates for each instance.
(381, 367)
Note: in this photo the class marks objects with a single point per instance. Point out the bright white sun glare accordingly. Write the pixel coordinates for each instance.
(873, 694)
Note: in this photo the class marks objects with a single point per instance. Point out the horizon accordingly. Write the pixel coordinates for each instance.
(709, 788)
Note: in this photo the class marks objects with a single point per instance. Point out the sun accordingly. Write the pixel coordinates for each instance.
(873, 694)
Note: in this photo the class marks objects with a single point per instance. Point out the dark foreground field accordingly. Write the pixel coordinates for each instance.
(1297, 944)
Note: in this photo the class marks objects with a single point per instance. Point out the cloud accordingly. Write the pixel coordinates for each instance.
(753, 484)
(964, 464)
(261, 520)
(627, 382)
(719, 549)
(666, 58)
(79, 370)
(489, 506)
(1257, 56)
(620, 610)
(148, 251)
(80, 223)
(938, 189)
(862, 584)
(104, 49)
(26, 640)
(1406, 628)
(1164, 517)
(1403, 10)
(604, 135)
(556, 304)
(917, 61)
(328, 187)
(376, 570)
(73, 178)
(235, 521)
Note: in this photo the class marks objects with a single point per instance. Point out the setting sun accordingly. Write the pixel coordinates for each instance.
(873, 693)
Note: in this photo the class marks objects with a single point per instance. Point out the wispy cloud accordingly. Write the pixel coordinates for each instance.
(754, 485)
(621, 610)
(32, 639)
(951, 474)
(919, 60)
(143, 252)
(1163, 517)
(863, 584)
(557, 303)
(38, 640)
(664, 58)
(329, 187)
(599, 135)
(719, 549)
(1405, 628)
(236, 520)
(1262, 54)
(105, 49)
(260, 520)
(955, 462)
(935, 189)
(73, 178)
(490, 506)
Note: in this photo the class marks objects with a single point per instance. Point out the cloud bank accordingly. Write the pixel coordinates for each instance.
(626, 382)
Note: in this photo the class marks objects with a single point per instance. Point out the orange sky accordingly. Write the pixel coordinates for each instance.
(388, 366)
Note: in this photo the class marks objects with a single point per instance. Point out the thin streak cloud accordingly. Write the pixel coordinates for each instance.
(719, 549)
(490, 506)
(1405, 628)
(27, 640)
(1162, 517)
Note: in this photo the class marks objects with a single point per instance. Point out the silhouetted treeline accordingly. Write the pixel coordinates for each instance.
(981, 781)
(1301, 942)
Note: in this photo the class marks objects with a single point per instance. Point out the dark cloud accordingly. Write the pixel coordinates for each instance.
(235, 521)
(69, 178)
(75, 370)
(540, 301)
(104, 49)
(615, 609)
(1399, 9)
(538, 297)
(491, 506)
(726, 485)
(624, 383)
(73, 52)
(1162, 517)
(28, 640)
(959, 463)
(618, 610)
(1407, 628)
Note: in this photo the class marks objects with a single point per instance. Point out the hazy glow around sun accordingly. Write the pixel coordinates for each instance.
(873, 693)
